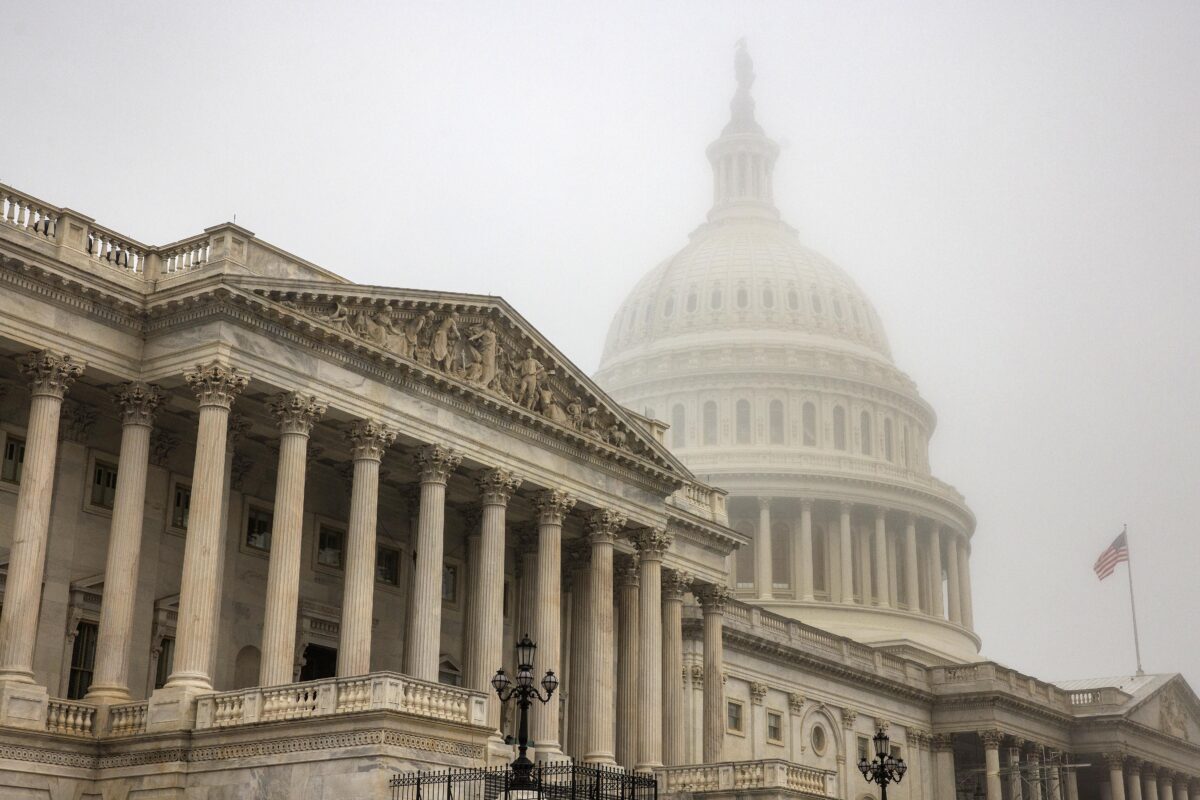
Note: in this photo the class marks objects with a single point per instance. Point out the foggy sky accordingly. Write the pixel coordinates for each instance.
(1016, 186)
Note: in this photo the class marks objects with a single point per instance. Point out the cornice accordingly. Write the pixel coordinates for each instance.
(71, 293)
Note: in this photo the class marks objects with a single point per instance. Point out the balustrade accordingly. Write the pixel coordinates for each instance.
(70, 718)
(28, 214)
(127, 719)
(744, 776)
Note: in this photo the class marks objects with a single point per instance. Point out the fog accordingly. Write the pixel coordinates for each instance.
(1016, 186)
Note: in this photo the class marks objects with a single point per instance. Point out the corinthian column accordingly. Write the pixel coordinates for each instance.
(628, 648)
(295, 414)
(964, 586)
(216, 386)
(434, 463)
(846, 556)
(110, 681)
(1015, 783)
(486, 600)
(912, 592)
(50, 374)
(804, 559)
(1116, 774)
(883, 599)
(763, 576)
(602, 527)
(953, 595)
(991, 762)
(713, 598)
(368, 441)
(652, 544)
(675, 585)
(579, 684)
(552, 507)
(935, 571)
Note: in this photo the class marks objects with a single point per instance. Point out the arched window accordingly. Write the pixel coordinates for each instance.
(839, 428)
(678, 422)
(768, 298)
(888, 452)
(743, 422)
(693, 301)
(715, 300)
(744, 556)
(743, 297)
(905, 458)
(816, 302)
(864, 429)
(810, 425)
(837, 308)
(775, 414)
(819, 560)
(710, 422)
(793, 300)
(649, 312)
(669, 307)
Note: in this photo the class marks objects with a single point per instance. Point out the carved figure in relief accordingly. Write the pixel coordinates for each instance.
(531, 372)
(445, 337)
(591, 422)
(551, 408)
(616, 436)
(340, 318)
(484, 338)
(417, 334)
(575, 412)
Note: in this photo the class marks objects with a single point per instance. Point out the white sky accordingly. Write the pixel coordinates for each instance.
(1016, 185)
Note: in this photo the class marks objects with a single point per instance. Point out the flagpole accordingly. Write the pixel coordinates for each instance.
(1137, 648)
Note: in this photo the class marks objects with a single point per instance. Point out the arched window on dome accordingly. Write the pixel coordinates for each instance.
(888, 447)
(839, 428)
(820, 562)
(715, 299)
(854, 312)
(743, 422)
(743, 297)
(710, 422)
(864, 432)
(837, 307)
(669, 306)
(693, 301)
(809, 414)
(678, 425)
(905, 447)
(793, 300)
(768, 298)
(816, 301)
(649, 313)
(775, 418)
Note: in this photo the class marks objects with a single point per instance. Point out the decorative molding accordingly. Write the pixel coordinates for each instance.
(295, 412)
(496, 486)
(435, 462)
(49, 373)
(552, 506)
(216, 384)
(138, 402)
(369, 439)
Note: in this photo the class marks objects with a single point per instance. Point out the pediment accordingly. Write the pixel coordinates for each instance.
(474, 346)
(1172, 708)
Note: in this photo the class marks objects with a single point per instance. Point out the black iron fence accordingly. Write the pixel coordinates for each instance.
(563, 780)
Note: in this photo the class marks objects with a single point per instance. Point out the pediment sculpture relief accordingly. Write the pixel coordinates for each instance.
(1171, 715)
(474, 349)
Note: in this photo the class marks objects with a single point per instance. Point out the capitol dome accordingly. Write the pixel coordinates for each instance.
(773, 372)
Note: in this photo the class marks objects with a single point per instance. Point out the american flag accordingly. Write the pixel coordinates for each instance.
(1117, 552)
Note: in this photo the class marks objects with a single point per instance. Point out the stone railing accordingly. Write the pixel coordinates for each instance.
(1096, 699)
(990, 677)
(70, 717)
(127, 719)
(703, 501)
(745, 776)
(378, 691)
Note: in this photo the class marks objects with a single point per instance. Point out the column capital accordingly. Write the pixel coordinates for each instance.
(625, 572)
(675, 584)
(796, 702)
(806, 503)
(216, 384)
(883, 724)
(697, 674)
(1115, 760)
(712, 596)
(991, 738)
(845, 506)
(1017, 743)
(758, 692)
(435, 462)
(296, 412)
(552, 506)
(603, 524)
(49, 373)
(942, 741)
(849, 717)
(764, 503)
(880, 512)
(652, 543)
(910, 519)
(369, 439)
(1181, 781)
(496, 486)
(138, 402)
(1134, 764)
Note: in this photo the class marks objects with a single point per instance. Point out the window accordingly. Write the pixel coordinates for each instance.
(649, 312)
(733, 716)
(181, 503)
(781, 555)
(817, 737)
(449, 583)
(888, 451)
(166, 661)
(715, 300)
(768, 298)
(744, 557)
(104, 484)
(387, 565)
(775, 413)
(810, 425)
(837, 308)
(710, 422)
(448, 673)
(864, 426)
(816, 302)
(774, 727)
(864, 749)
(693, 301)
(669, 307)
(905, 447)
(743, 422)
(331, 547)
(258, 528)
(896, 754)
(14, 459)
(793, 300)
(319, 662)
(743, 297)
(678, 423)
(839, 428)
(83, 660)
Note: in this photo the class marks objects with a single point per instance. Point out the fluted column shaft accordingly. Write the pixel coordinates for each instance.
(846, 556)
(804, 558)
(880, 561)
(652, 544)
(216, 387)
(602, 528)
(675, 584)
(579, 682)
(1133, 780)
(1015, 784)
(110, 681)
(628, 647)
(50, 376)
(434, 463)
(964, 586)
(953, 596)
(935, 571)
(1149, 783)
(295, 414)
(712, 603)
(763, 578)
(368, 441)
(552, 507)
(912, 591)
(991, 763)
(1116, 775)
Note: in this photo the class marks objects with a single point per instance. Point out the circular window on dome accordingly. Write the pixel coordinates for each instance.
(743, 297)
(768, 298)
(669, 307)
(693, 301)
(715, 300)
(793, 300)
(818, 740)
(816, 303)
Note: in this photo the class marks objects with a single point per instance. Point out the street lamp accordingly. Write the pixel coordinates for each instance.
(884, 769)
(524, 690)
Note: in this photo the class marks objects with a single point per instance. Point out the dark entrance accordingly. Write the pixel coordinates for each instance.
(319, 662)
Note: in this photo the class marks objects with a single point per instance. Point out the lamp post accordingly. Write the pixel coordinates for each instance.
(523, 689)
(884, 769)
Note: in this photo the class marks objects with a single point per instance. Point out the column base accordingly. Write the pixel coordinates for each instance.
(499, 753)
(551, 754)
(602, 760)
(173, 708)
(107, 695)
(23, 705)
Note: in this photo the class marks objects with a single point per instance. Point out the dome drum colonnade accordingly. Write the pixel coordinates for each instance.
(773, 371)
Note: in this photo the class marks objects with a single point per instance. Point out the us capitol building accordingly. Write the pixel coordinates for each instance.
(268, 533)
